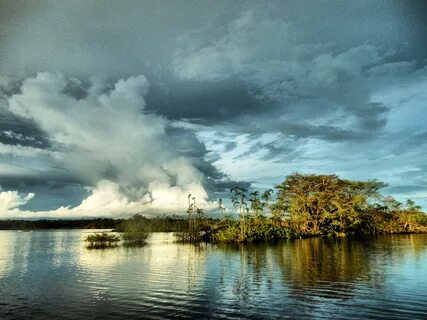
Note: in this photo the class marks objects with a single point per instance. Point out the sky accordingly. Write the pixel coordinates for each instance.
(111, 108)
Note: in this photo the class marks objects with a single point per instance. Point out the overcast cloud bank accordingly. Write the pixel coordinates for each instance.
(233, 93)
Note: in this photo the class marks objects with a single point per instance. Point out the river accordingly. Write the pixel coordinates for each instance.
(52, 275)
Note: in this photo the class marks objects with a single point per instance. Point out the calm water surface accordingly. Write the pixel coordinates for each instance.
(51, 275)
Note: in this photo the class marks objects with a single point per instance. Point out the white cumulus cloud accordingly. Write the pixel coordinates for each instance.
(108, 141)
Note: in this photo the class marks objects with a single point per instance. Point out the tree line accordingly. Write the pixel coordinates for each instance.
(303, 205)
(164, 223)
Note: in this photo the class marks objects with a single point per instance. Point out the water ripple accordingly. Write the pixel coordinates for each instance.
(50, 275)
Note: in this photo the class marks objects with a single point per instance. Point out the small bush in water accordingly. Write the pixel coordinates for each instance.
(134, 230)
(135, 236)
(99, 240)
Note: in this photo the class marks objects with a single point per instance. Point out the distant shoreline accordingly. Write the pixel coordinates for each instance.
(49, 224)
(160, 224)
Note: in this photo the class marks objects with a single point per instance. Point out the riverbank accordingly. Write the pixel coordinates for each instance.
(262, 229)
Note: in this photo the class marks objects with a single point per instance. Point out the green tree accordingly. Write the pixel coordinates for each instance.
(238, 198)
(324, 203)
(256, 204)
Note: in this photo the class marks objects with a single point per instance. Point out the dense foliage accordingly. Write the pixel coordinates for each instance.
(134, 230)
(325, 204)
(313, 205)
(156, 224)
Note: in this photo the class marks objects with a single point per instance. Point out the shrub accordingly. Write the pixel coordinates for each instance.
(102, 240)
(133, 230)
(135, 237)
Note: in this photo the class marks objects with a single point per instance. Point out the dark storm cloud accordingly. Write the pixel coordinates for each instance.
(279, 150)
(409, 142)
(109, 38)
(189, 146)
(323, 132)
(54, 188)
(230, 146)
(53, 195)
(87, 39)
(53, 179)
(206, 102)
(372, 116)
(15, 130)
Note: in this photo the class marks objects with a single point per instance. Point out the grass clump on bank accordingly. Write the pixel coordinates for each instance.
(134, 238)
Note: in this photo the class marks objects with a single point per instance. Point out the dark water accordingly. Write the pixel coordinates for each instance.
(51, 275)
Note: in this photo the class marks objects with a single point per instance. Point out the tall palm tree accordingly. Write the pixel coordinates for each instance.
(221, 208)
(194, 214)
(189, 211)
(256, 205)
(238, 196)
(266, 195)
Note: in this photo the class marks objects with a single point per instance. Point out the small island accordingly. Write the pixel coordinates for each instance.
(308, 205)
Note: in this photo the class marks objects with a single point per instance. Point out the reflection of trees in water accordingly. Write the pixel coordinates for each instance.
(251, 270)
(316, 259)
(402, 244)
(302, 269)
(242, 285)
(324, 267)
(195, 255)
(182, 265)
(398, 249)
(160, 265)
(318, 268)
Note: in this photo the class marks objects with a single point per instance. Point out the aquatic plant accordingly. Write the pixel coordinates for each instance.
(133, 230)
(134, 237)
(102, 240)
